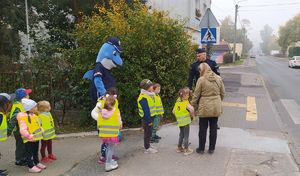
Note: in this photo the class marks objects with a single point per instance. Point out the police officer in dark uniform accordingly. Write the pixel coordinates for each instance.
(194, 71)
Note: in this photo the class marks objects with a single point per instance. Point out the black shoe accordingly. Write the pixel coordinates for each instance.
(157, 137)
(3, 171)
(153, 140)
(21, 163)
(199, 151)
(211, 151)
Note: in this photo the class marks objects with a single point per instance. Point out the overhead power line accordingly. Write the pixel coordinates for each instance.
(271, 5)
(268, 10)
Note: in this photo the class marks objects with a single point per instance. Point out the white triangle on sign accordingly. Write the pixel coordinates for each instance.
(208, 37)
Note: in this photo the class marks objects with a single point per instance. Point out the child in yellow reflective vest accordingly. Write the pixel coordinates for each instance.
(109, 124)
(110, 91)
(44, 108)
(159, 113)
(183, 112)
(32, 132)
(5, 106)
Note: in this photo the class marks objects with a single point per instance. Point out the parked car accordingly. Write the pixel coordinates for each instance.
(252, 56)
(294, 62)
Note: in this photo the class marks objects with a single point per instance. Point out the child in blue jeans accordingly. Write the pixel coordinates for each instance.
(109, 124)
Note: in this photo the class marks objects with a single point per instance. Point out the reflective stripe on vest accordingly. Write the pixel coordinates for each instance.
(109, 127)
(3, 127)
(158, 105)
(34, 127)
(48, 126)
(181, 113)
(150, 102)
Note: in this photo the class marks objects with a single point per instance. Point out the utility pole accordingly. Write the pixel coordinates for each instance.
(27, 27)
(234, 42)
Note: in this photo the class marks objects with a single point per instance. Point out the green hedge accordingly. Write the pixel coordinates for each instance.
(155, 47)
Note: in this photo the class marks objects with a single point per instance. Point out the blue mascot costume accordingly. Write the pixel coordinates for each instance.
(101, 77)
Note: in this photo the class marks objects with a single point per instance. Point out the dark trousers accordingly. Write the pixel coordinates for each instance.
(203, 125)
(46, 144)
(20, 147)
(147, 135)
(184, 136)
(32, 153)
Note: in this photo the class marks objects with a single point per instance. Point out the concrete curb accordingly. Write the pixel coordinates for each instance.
(95, 133)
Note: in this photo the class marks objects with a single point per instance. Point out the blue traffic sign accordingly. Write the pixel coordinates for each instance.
(208, 35)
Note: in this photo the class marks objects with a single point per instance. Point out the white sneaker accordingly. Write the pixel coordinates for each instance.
(35, 169)
(153, 147)
(114, 162)
(150, 150)
(111, 166)
(41, 166)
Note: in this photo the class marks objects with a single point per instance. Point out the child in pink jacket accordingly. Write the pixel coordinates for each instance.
(32, 133)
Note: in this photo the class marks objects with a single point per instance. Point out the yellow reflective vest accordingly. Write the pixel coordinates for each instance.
(16, 105)
(3, 127)
(109, 127)
(151, 104)
(158, 105)
(48, 126)
(181, 113)
(34, 125)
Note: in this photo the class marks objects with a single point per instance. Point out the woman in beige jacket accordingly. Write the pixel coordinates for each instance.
(207, 101)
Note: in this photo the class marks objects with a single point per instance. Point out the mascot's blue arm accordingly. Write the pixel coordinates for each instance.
(99, 86)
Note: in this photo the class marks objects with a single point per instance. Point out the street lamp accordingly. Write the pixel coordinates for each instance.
(235, 21)
(27, 28)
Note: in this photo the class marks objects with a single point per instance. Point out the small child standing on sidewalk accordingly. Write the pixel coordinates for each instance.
(49, 131)
(147, 111)
(114, 92)
(109, 124)
(183, 112)
(159, 113)
(32, 133)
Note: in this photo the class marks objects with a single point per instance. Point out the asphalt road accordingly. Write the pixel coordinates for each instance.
(284, 80)
(283, 84)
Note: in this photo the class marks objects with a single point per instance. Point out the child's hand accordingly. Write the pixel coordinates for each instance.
(30, 137)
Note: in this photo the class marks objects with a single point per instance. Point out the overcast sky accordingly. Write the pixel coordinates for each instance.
(275, 13)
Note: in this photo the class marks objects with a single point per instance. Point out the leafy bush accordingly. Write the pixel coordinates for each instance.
(155, 47)
(228, 58)
(294, 51)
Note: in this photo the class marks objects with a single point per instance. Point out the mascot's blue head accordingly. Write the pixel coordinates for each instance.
(109, 53)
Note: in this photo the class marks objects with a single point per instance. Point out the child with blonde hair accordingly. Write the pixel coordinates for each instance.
(109, 124)
(44, 108)
(183, 112)
(32, 132)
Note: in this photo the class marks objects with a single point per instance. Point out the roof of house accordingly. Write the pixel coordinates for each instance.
(223, 47)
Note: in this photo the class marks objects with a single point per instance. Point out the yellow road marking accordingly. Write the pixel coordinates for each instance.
(239, 105)
(251, 109)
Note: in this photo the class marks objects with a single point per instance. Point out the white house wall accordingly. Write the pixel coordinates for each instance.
(184, 10)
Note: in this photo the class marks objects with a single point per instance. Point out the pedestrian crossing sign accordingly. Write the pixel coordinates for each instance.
(208, 35)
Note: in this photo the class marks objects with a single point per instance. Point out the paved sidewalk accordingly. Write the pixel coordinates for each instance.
(238, 153)
(245, 147)
(69, 151)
